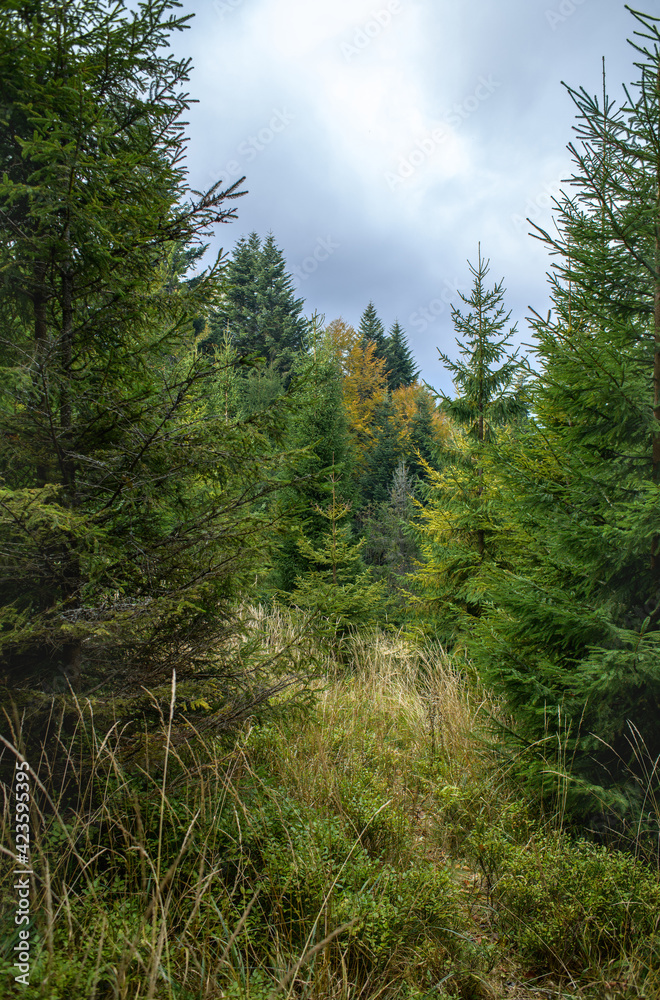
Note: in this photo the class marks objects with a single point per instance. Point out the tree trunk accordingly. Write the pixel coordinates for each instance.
(72, 659)
(481, 544)
(40, 336)
(655, 544)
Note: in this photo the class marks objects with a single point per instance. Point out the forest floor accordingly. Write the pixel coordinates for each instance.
(371, 844)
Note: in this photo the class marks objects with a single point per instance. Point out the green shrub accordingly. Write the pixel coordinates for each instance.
(575, 907)
(315, 875)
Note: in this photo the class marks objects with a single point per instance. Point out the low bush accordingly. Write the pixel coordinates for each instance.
(577, 909)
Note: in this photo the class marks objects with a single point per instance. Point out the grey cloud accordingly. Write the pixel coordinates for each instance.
(316, 179)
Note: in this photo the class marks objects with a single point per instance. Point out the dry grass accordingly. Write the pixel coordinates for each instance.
(351, 851)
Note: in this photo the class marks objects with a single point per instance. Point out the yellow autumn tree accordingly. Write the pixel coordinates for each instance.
(364, 381)
(408, 401)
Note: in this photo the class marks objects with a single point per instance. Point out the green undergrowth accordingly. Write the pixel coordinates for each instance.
(368, 847)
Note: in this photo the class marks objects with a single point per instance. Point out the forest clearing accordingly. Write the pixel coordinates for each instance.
(315, 681)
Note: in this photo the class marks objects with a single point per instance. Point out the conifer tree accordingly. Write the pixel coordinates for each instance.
(576, 644)
(318, 432)
(259, 310)
(390, 545)
(237, 316)
(421, 427)
(225, 399)
(126, 507)
(281, 325)
(459, 533)
(427, 435)
(338, 587)
(486, 396)
(372, 329)
(401, 369)
(383, 456)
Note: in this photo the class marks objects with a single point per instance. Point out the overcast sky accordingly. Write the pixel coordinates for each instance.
(383, 139)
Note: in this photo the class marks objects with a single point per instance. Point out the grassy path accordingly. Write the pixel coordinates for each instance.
(368, 846)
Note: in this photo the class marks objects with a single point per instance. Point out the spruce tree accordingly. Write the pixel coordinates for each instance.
(237, 315)
(575, 644)
(424, 441)
(317, 432)
(338, 587)
(372, 329)
(383, 456)
(126, 508)
(282, 327)
(486, 396)
(259, 310)
(401, 369)
(390, 545)
(459, 532)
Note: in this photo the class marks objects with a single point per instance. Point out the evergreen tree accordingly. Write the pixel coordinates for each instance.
(338, 587)
(487, 396)
(424, 440)
(401, 369)
(459, 532)
(259, 310)
(282, 327)
(421, 428)
(383, 457)
(575, 645)
(225, 400)
(237, 315)
(390, 545)
(372, 329)
(318, 433)
(126, 517)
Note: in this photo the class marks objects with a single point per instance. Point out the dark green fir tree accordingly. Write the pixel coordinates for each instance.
(424, 448)
(318, 432)
(127, 508)
(371, 328)
(281, 325)
(383, 457)
(390, 545)
(237, 314)
(259, 310)
(401, 368)
(338, 588)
